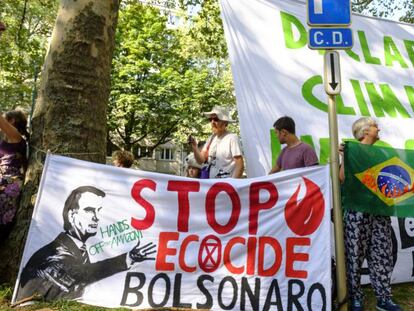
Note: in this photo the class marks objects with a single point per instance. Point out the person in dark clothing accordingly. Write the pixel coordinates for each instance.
(12, 164)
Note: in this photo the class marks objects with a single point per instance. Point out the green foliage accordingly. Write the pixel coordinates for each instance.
(391, 9)
(22, 47)
(207, 31)
(161, 81)
(409, 15)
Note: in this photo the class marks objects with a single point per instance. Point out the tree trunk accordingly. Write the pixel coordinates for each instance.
(70, 114)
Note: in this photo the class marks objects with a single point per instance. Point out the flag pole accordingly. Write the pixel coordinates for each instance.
(337, 212)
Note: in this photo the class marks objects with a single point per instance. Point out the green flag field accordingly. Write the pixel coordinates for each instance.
(378, 180)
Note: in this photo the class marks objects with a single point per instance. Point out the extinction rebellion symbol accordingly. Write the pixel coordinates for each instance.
(209, 254)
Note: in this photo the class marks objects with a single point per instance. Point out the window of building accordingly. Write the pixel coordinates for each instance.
(166, 154)
(144, 152)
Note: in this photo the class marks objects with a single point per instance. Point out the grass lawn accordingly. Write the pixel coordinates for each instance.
(403, 294)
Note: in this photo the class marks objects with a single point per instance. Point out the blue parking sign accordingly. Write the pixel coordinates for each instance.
(329, 12)
(330, 38)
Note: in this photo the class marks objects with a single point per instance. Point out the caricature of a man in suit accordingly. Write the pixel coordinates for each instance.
(62, 269)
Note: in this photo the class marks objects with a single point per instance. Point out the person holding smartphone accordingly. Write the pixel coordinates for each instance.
(222, 153)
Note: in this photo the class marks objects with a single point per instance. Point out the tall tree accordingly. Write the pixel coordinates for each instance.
(23, 47)
(206, 45)
(161, 80)
(207, 32)
(70, 115)
(147, 70)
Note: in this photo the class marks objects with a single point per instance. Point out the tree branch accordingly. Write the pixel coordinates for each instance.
(165, 135)
(120, 134)
(21, 23)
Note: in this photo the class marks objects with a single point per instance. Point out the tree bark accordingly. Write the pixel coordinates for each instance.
(70, 113)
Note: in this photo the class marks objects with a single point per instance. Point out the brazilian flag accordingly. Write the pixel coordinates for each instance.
(378, 180)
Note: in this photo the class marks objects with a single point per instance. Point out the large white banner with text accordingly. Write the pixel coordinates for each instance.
(276, 74)
(115, 237)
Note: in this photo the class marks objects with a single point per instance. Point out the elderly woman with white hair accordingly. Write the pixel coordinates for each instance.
(368, 236)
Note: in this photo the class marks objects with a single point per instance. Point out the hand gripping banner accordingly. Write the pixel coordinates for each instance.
(117, 237)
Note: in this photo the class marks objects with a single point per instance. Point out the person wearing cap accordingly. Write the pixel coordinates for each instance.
(222, 151)
(192, 168)
(296, 153)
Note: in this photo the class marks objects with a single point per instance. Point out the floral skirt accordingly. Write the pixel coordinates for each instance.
(9, 198)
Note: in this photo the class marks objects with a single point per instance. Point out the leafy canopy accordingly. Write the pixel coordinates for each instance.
(23, 47)
(161, 80)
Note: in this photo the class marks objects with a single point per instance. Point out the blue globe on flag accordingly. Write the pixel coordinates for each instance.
(393, 181)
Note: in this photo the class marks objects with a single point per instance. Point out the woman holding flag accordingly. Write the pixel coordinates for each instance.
(368, 237)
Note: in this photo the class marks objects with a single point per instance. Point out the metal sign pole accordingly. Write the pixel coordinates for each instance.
(337, 212)
(333, 17)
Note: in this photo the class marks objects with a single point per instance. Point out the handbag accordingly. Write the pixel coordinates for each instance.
(205, 171)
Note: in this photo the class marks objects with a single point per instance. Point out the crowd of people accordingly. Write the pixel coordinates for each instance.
(366, 236)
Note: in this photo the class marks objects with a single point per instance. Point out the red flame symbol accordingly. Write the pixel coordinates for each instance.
(304, 217)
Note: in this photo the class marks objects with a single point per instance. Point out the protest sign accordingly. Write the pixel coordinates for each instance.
(156, 240)
(276, 74)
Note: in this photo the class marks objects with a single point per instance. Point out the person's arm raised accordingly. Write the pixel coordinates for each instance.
(200, 156)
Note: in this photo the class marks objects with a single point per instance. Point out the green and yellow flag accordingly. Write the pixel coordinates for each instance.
(378, 180)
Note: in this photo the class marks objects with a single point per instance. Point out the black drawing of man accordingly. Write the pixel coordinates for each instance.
(62, 269)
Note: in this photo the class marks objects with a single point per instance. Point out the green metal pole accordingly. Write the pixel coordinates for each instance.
(337, 212)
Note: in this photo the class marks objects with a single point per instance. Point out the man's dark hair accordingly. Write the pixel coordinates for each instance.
(72, 202)
(285, 123)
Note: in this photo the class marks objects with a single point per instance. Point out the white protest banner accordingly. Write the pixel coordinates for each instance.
(156, 240)
(276, 74)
